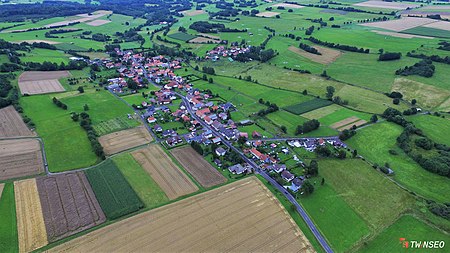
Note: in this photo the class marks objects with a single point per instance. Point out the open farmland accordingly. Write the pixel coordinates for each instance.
(267, 14)
(126, 139)
(243, 216)
(19, 158)
(113, 192)
(181, 36)
(98, 22)
(191, 13)
(402, 24)
(68, 204)
(386, 5)
(307, 106)
(41, 82)
(327, 56)
(164, 171)
(1, 189)
(198, 167)
(286, 5)
(8, 229)
(435, 128)
(345, 122)
(30, 221)
(112, 125)
(11, 123)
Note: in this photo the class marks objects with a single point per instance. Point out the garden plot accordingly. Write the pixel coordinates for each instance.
(126, 139)
(387, 5)
(240, 217)
(198, 167)
(327, 56)
(41, 82)
(30, 222)
(402, 24)
(165, 173)
(11, 124)
(69, 205)
(19, 158)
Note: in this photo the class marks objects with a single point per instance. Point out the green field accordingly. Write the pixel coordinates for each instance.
(141, 182)
(113, 125)
(8, 230)
(374, 143)
(114, 193)
(342, 114)
(307, 106)
(182, 36)
(407, 227)
(428, 31)
(66, 144)
(435, 128)
(40, 55)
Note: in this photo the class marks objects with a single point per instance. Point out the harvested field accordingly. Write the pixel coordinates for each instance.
(428, 96)
(19, 158)
(401, 35)
(203, 40)
(349, 126)
(345, 122)
(192, 13)
(39, 41)
(82, 18)
(69, 205)
(198, 167)
(1, 189)
(98, 22)
(239, 217)
(30, 221)
(327, 56)
(208, 36)
(119, 141)
(437, 7)
(267, 14)
(402, 24)
(11, 124)
(321, 112)
(386, 5)
(165, 173)
(41, 82)
(443, 25)
(288, 6)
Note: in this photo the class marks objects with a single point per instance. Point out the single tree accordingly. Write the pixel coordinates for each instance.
(86, 107)
(374, 118)
(330, 92)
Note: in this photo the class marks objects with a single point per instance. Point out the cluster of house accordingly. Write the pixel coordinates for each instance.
(222, 51)
(311, 144)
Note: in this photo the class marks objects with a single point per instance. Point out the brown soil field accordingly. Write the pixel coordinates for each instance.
(240, 217)
(41, 82)
(402, 24)
(42, 75)
(198, 167)
(203, 40)
(357, 124)
(443, 25)
(82, 18)
(437, 7)
(98, 22)
(164, 171)
(288, 6)
(328, 55)
(122, 140)
(1, 190)
(401, 35)
(386, 5)
(30, 221)
(68, 204)
(344, 122)
(19, 158)
(192, 13)
(267, 14)
(209, 36)
(429, 96)
(11, 124)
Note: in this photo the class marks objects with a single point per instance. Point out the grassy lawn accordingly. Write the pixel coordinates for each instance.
(340, 224)
(374, 143)
(8, 230)
(406, 227)
(374, 197)
(66, 144)
(141, 182)
(342, 114)
(435, 128)
(40, 55)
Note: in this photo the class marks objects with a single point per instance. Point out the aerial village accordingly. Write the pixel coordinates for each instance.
(179, 114)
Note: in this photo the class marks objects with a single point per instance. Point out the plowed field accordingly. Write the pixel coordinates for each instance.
(119, 141)
(20, 158)
(11, 124)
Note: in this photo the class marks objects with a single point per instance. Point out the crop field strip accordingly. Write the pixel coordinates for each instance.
(8, 229)
(19, 158)
(41, 82)
(30, 221)
(69, 205)
(112, 125)
(126, 139)
(113, 192)
(164, 171)
(356, 124)
(307, 106)
(1, 189)
(402, 24)
(242, 216)
(327, 56)
(11, 124)
(198, 167)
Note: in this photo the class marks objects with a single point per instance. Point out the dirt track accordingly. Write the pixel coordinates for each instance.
(239, 217)
(122, 140)
(165, 173)
(20, 158)
(198, 167)
(69, 205)
(11, 124)
(30, 222)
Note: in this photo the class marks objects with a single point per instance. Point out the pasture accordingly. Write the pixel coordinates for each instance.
(401, 24)
(198, 167)
(252, 217)
(164, 171)
(8, 231)
(407, 172)
(435, 128)
(113, 192)
(68, 204)
(11, 124)
(19, 158)
(113, 125)
(429, 31)
(41, 82)
(181, 36)
(141, 182)
(327, 55)
(307, 106)
(30, 221)
(126, 139)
